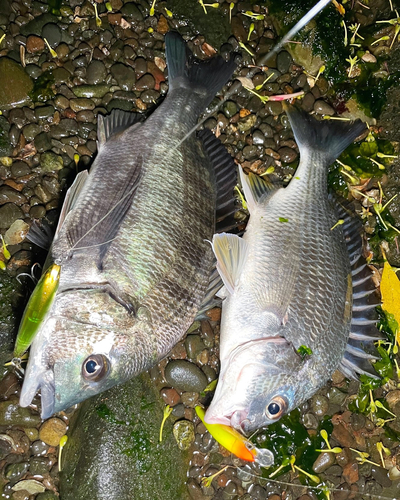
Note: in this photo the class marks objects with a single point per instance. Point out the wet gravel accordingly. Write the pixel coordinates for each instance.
(121, 64)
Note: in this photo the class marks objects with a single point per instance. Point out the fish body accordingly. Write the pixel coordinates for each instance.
(132, 249)
(287, 284)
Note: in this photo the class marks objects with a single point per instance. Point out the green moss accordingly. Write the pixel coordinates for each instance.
(289, 437)
(43, 88)
(54, 6)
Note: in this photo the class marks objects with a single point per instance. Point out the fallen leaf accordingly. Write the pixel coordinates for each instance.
(29, 485)
(246, 82)
(390, 290)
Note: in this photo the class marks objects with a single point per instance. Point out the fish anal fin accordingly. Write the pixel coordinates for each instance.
(115, 122)
(256, 190)
(231, 253)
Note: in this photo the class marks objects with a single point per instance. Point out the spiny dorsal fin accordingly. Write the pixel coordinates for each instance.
(115, 122)
(256, 189)
(231, 253)
(225, 177)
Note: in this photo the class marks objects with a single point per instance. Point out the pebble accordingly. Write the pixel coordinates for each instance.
(230, 109)
(309, 421)
(10, 195)
(14, 472)
(34, 44)
(183, 431)
(82, 104)
(284, 61)
(30, 485)
(323, 108)
(350, 472)
(44, 112)
(323, 462)
(15, 84)
(8, 385)
(145, 82)
(125, 76)
(47, 495)
(194, 346)
(96, 73)
(288, 155)
(39, 448)
(52, 33)
(170, 396)
(185, 376)
(381, 475)
(31, 131)
(50, 162)
(32, 433)
(52, 430)
(16, 233)
(9, 213)
(12, 414)
(319, 405)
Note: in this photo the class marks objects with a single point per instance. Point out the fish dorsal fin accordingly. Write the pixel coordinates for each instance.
(225, 177)
(231, 253)
(115, 122)
(363, 330)
(256, 190)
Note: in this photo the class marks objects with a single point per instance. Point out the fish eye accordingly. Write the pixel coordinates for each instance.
(276, 408)
(95, 367)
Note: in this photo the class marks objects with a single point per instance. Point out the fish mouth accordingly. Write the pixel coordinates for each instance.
(45, 382)
(237, 419)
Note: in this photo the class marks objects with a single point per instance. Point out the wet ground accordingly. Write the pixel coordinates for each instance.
(50, 96)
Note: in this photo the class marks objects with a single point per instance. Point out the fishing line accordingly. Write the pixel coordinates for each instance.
(317, 487)
(236, 86)
(233, 89)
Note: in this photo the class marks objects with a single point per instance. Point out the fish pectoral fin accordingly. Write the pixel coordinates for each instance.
(117, 121)
(256, 190)
(71, 197)
(231, 253)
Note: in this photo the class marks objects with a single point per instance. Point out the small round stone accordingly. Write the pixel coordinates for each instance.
(319, 405)
(170, 396)
(323, 108)
(288, 155)
(283, 61)
(52, 431)
(323, 462)
(185, 376)
(184, 434)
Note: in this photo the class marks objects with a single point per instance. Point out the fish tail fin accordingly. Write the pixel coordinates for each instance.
(328, 137)
(205, 78)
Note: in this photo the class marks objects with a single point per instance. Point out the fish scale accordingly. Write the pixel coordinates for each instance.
(287, 285)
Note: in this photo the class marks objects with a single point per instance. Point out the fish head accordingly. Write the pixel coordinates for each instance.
(255, 386)
(71, 359)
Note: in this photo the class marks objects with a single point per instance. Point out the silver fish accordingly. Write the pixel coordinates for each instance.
(288, 284)
(133, 253)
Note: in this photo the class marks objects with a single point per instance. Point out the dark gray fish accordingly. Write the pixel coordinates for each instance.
(133, 251)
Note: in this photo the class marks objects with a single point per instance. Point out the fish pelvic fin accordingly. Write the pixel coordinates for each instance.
(204, 77)
(328, 137)
(231, 253)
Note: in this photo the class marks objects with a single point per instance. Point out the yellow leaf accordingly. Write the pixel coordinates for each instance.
(390, 290)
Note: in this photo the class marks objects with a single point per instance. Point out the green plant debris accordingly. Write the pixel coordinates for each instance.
(377, 409)
(54, 6)
(288, 438)
(43, 88)
(283, 219)
(304, 351)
